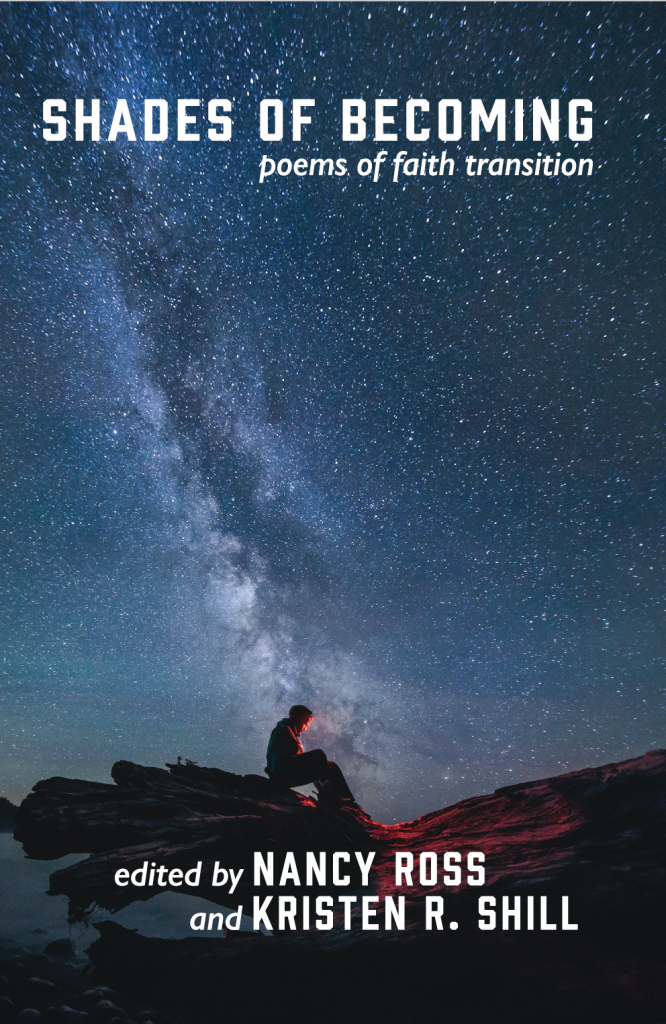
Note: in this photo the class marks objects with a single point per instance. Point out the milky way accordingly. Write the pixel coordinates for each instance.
(391, 450)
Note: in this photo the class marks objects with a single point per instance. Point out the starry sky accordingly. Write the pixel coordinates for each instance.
(393, 450)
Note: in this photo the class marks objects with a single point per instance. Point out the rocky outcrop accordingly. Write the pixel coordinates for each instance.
(596, 836)
(175, 818)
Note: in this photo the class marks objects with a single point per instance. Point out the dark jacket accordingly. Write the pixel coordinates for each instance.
(283, 743)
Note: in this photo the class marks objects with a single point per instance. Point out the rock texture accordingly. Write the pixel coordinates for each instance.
(597, 836)
(53, 987)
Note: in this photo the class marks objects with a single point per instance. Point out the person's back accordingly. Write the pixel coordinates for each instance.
(284, 742)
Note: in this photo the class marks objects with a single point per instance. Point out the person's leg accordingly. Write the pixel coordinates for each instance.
(338, 781)
(313, 766)
(299, 769)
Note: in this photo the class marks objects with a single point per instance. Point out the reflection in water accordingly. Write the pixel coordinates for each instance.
(168, 915)
(32, 919)
(29, 917)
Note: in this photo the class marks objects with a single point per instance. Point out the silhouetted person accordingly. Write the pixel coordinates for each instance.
(290, 765)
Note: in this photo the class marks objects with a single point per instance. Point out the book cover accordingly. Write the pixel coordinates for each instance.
(332, 379)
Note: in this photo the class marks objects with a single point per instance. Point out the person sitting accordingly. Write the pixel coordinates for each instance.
(290, 765)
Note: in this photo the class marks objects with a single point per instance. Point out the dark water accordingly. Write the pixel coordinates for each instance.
(32, 919)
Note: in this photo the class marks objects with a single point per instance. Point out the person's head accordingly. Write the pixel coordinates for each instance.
(300, 717)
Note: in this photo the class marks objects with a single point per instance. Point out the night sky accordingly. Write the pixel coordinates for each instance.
(395, 451)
